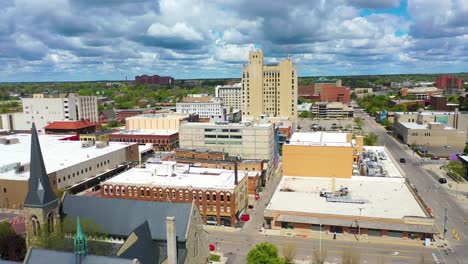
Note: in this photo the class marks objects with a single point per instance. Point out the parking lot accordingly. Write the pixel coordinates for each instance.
(328, 124)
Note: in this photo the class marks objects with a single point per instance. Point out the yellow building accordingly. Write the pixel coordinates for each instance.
(269, 89)
(98, 136)
(321, 154)
(163, 121)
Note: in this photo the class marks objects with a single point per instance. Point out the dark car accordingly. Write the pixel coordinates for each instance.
(402, 160)
(435, 158)
(442, 180)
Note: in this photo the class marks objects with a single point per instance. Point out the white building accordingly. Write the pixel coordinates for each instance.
(231, 95)
(203, 109)
(46, 108)
(67, 162)
(246, 140)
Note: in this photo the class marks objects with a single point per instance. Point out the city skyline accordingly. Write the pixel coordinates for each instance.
(82, 40)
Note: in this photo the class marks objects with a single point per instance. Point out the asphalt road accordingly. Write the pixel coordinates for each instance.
(431, 192)
(236, 245)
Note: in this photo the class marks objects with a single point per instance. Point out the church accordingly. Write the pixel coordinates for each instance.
(141, 232)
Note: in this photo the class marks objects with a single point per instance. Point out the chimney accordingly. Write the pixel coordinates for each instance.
(171, 240)
(236, 179)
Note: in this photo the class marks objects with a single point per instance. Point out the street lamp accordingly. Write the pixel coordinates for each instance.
(320, 242)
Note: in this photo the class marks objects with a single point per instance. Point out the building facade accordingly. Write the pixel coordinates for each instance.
(154, 79)
(321, 82)
(335, 94)
(331, 109)
(82, 161)
(246, 140)
(220, 195)
(440, 103)
(162, 121)
(269, 89)
(204, 109)
(421, 93)
(455, 119)
(45, 108)
(434, 134)
(231, 95)
(449, 82)
(163, 140)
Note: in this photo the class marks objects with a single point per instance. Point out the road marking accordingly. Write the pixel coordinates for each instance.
(336, 251)
(435, 258)
(463, 234)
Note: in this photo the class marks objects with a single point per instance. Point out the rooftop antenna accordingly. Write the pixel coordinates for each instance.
(288, 52)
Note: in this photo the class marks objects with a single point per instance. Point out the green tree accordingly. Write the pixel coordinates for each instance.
(370, 139)
(6, 229)
(387, 124)
(304, 114)
(13, 247)
(264, 253)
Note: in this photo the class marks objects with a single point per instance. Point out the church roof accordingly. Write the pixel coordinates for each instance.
(40, 192)
(46, 256)
(127, 215)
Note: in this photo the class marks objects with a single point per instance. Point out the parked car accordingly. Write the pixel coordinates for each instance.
(435, 158)
(442, 180)
(402, 160)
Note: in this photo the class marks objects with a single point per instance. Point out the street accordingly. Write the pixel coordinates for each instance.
(431, 192)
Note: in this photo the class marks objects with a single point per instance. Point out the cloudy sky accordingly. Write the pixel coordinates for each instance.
(51, 40)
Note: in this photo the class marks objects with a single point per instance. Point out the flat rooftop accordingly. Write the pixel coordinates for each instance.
(146, 132)
(320, 139)
(161, 116)
(385, 197)
(226, 125)
(411, 125)
(58, 154)
(173, 174)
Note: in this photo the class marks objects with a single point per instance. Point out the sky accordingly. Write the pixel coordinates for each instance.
(84, 40)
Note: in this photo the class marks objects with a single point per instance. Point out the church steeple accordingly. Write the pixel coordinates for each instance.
(80, 243)
(40, 194)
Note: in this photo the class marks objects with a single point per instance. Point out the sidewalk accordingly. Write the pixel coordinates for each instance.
(349, 238)
(458, 191)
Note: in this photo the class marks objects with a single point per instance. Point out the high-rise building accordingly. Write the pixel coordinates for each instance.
(449, 82)
(269, 89)
(46, 108)
(231, 95)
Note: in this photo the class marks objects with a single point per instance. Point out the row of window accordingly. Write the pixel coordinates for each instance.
(159, 193)
(69, 176)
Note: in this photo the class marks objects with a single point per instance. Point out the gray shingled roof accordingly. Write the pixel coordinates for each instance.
(40, 193)
(46, 256)
(110, 114)
(121, 216)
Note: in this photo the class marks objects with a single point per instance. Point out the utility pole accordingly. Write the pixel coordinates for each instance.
(445, 223)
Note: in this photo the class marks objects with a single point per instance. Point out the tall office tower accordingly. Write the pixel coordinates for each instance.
(269, 89)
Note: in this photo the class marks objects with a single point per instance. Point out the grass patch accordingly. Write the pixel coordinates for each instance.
(214, 257)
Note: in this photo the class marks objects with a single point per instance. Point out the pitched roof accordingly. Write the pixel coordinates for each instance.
(110, 114)
(127, 215)
(46, 256)
(69, 125)
(40, 193)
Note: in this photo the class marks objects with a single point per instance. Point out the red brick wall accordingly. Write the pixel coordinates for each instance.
(163, 194)
(335, 94)
(160, 142)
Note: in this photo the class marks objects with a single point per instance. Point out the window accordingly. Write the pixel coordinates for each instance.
(228, 208)
(181, 195)
(73, 174)
(228, 197)
(186, 195)
(194, 196)
(207, 196)
(160, 193)
(142, 192)
(111, 191)
(117, 190)
(214, 196)
(167, 194)
(221, 196)
(148, 193)
(68, 176)
(200, 196)
(173, 194)
(123, 190)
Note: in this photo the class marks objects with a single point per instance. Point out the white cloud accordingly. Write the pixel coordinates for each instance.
(179, 30)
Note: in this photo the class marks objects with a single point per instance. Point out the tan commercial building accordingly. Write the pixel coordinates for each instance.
(455, 119)
(231, 95)
(246, 140)
(434, 134)
(163, 121)
(269, 89)
(317, 154)
(331, 109)
(421, 93)
(221, 195)
(67, 163)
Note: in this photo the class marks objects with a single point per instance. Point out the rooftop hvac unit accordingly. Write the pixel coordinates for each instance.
(87, 144)
(102, 144)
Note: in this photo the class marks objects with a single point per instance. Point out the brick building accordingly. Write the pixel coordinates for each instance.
(439, 103)
(307, 92)
(154, 79)
(204, 158)
(161, 139)
(335, 94)
(220, 195)
(449, 82)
